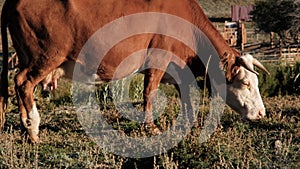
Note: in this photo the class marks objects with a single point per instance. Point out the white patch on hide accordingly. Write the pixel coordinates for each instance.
(34, 119)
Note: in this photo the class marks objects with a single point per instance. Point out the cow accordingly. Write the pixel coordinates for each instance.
(49, 35)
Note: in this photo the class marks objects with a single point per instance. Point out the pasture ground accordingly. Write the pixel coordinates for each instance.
(271, 143)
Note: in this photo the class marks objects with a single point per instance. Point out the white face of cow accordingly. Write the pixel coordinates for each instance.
(243, 93)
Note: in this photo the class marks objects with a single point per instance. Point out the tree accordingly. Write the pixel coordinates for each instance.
(279, 16)
(295, 29)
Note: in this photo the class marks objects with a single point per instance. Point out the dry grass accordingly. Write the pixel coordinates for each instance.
(271, 143)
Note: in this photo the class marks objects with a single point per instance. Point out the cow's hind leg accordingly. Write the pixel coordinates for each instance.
(25, 83)
(30, 118)
(22, 110)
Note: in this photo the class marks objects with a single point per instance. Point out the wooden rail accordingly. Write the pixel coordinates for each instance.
(289, 56)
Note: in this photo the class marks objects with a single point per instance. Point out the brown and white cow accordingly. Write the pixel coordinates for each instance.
(48, 33)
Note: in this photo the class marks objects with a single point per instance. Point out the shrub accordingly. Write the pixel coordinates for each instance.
(284, 80)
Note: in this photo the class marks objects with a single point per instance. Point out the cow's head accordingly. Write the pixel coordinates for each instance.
(242, 91)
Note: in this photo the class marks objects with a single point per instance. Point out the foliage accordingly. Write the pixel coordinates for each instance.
(279, 16)
(295, 29)
(284, 80)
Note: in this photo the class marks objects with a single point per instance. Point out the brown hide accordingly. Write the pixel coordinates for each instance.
(46, 33)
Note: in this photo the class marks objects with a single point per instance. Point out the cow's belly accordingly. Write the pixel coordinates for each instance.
(123, 59)
(115, 70)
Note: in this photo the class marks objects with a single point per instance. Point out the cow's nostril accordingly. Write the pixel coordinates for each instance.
(261, 114)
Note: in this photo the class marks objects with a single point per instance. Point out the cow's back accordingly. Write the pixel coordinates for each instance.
(67, 24)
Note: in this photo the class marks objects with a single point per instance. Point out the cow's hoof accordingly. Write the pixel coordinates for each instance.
(34, 140)
(152, 129)
(30, 139)
(156, 131)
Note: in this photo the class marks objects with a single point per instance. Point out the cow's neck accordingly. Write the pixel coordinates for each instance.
(214, 35)
(226, 54)
(217, 40)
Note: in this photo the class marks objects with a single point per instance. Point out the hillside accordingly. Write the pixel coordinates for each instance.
(221, 8)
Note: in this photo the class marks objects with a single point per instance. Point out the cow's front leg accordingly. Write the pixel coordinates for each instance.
(30, 118)
(151, 82)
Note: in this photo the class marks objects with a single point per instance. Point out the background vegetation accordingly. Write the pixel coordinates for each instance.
(284, 80)
(280, 17)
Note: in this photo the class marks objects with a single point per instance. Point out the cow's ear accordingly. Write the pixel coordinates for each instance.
(228, 64)
(235, 71)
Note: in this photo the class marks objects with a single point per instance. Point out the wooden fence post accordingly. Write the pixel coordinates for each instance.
(242, 35)
(272, 39)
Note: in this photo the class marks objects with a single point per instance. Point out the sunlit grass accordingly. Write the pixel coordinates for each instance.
(271, 143)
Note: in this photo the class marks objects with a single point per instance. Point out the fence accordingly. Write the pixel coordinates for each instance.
(236, 34)
(288, 56)
(253, 36)
(230, 35)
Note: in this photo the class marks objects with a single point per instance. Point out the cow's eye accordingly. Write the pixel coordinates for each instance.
(247, 84)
